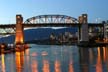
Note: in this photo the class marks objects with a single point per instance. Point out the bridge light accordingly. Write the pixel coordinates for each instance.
(85, 16)
(2, 46)
(18, 16)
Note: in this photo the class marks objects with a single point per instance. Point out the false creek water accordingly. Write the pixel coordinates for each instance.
(53, 58)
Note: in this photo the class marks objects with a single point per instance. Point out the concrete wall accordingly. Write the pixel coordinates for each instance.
(84, 33)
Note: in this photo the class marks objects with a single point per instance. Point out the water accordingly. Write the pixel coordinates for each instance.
(52, 58)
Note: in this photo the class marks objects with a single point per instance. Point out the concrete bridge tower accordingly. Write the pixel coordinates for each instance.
(19, 38)
(83, 30)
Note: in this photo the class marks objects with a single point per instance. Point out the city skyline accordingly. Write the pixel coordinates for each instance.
(96, 10)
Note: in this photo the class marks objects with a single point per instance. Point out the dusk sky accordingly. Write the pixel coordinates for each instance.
(96, 9)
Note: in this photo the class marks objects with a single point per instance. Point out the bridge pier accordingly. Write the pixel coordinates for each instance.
(84, 33)
(19, 39)
(105, 31)
(83, 36)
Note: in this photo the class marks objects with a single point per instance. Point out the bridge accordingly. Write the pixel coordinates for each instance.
(50, 21)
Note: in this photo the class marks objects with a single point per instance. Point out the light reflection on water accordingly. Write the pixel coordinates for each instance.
(2, 63)
(49, 58)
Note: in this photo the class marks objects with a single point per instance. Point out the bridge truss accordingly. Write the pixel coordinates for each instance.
(7, 29)
(39, 21)
(51, 19)
(45, 21)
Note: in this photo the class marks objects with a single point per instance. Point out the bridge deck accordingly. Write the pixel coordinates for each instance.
(52, 25)
(13, 26)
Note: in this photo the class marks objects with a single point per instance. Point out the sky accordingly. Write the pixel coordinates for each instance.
(97, 10)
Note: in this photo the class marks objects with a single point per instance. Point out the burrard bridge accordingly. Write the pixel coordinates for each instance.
(51, 21)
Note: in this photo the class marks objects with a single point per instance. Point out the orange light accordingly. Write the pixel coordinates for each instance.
(57, 66)
(71, 69)
(18, 17)
(3, 62)
(19, 61)
(18, 64)
(34, 66)
(104, 53)
(19, 39)
(2, 46)
(46, 66)
(99, 63)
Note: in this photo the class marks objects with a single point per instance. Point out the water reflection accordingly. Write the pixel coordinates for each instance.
(27, 60)
(91, 55)
(91, 59)
(84, 59)
(57, 66)
(105, 53)
(2, 63)
(71, 68)
(99, 61)
(46, 66)
(34, 66)
(56, 59)
(19, 57)
(45, 62)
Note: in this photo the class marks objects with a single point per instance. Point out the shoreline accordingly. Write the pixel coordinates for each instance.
(82, 44)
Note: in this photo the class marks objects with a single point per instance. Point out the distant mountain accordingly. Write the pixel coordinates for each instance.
(38, 34)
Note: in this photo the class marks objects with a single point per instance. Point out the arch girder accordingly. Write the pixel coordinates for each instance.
(51, 19)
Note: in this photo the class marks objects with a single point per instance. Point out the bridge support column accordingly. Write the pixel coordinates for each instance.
(84, 33)
(105, 31)
(19, 38)
(83, 30)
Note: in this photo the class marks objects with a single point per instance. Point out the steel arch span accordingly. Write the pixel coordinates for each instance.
(51, 19)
